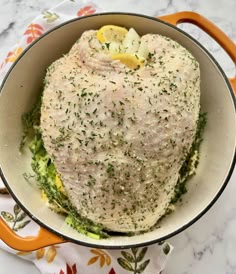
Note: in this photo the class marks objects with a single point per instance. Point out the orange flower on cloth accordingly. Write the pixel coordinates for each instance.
(13, 55)
(48, 254)
(100, 255)
(86, 11)
(33, 32)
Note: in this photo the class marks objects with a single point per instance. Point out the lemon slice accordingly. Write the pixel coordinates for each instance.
(132, 61)
(44, 196)
(58, 183)
(59, 186)
(111, 33)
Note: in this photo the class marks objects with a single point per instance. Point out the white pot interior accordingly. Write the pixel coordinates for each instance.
(21, 88)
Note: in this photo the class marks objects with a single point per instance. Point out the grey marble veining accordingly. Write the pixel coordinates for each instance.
(14, 18)
(208, 246)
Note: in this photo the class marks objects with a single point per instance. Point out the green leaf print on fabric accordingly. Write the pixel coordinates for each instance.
(7, 216)
(142, 266)
(21, 217)
(132, 261)
(129, 257)
(21, 225)
(166, 248)
(141, 254)
(125, 264)
(15, 218)
(16, 209)
(50, 17)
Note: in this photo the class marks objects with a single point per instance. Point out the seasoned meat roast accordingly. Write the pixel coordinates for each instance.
(118, 136)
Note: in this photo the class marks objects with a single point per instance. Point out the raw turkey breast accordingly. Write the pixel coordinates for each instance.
(118, 136)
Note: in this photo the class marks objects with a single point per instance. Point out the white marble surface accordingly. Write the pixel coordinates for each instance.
(209, 246)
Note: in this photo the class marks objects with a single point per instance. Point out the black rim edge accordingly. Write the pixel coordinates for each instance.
(177, 231)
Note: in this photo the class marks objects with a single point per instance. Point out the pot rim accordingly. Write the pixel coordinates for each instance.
(175, 232)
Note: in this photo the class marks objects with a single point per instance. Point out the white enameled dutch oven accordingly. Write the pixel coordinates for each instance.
(23, 83)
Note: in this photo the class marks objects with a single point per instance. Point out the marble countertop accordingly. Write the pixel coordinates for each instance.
(209, 246)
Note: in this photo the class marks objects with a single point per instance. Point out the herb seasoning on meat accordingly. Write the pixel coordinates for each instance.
(118, 135)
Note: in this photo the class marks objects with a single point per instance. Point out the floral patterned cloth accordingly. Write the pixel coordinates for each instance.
(67, 257)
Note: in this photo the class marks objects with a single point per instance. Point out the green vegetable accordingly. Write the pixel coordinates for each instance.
(45, 173)
(188, 168)
(30, 122)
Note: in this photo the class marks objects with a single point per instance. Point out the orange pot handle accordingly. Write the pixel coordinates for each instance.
(191, 17)
(29, 243)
